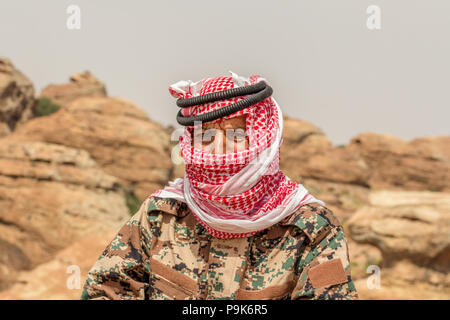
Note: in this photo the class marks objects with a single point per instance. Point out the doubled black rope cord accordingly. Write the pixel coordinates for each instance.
(259, 91)
(221, 95)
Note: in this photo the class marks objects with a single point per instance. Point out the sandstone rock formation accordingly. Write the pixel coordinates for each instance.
(81, 85)
(332, 174)
(412, 231)
(370, 159)
(116, 133)
(16, 97)
(421, 164)
(62, 277)
(60, 163)
(50, 197)
(307, 153)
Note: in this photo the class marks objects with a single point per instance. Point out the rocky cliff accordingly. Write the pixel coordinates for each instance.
(17, 99)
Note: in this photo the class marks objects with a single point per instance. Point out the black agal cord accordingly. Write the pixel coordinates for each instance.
(257, 92)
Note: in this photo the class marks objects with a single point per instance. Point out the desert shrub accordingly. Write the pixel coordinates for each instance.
(45, 107)
(132, 201)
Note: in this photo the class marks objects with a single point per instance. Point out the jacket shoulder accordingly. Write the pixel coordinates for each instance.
(315, 220)
(175, 207)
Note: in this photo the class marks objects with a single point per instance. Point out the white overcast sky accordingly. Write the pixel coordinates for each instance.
(324, 64)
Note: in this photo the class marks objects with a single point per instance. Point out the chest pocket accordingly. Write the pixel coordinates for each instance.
(275, 292)
(169, 284)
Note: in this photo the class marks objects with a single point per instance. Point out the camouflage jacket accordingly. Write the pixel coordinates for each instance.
(162, 252)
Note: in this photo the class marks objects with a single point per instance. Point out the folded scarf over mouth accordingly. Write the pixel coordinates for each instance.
(236, 194)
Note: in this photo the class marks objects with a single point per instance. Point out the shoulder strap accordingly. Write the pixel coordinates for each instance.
(167, 205)
(315, 220)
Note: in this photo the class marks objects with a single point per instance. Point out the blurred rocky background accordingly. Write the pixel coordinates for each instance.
(75, 164)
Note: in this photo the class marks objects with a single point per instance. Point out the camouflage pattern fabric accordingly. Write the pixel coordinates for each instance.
(162, 252)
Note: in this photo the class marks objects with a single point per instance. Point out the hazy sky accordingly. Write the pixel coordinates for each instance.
(324, 64)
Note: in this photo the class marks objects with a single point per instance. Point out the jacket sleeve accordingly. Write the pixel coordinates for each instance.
(121, 271)
(324, 267)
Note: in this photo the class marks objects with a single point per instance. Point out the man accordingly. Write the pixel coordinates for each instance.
(235, 227)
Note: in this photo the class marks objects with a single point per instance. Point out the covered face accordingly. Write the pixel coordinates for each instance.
(206, 143)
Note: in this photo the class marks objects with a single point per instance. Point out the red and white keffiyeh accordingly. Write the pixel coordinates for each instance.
(236, 194)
